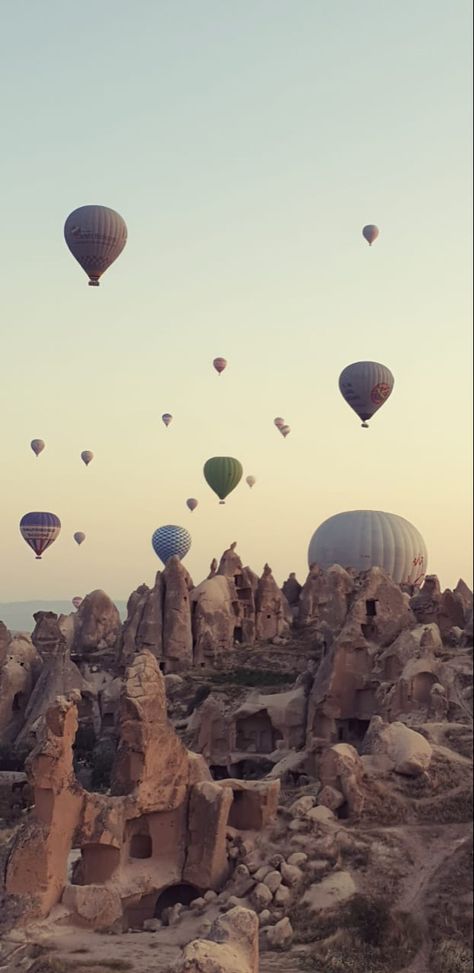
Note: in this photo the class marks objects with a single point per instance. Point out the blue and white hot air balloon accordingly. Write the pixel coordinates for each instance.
(171, 540)
(363, 539)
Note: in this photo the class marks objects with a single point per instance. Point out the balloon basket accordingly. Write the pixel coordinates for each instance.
(93, 283)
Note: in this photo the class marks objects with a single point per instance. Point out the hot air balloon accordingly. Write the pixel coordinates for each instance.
(79, 537)
(364, 539)
(77, 601)
(285, 430)
(167, 418)
(278, 422)
(191, 503)
(223, 473)
(39, 529)
(219, 364)
(170, 540)
(37, 446)
(251, 480)
(96, 236)
(366, 385)
(87, 456)
(370, 233)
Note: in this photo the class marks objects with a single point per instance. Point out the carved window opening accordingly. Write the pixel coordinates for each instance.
(141, 846)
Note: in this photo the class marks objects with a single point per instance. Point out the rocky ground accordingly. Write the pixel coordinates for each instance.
(365, 724)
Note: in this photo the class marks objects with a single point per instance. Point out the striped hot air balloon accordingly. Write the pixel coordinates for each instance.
(171, 540)
(223, 474)
(39, 529)
(96, 236)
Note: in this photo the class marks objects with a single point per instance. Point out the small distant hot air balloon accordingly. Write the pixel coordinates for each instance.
(191, 503)
(96, 236)
(370, 233)
(167, 418)
(285, 430)
(366, 385)
(279, 422)
(219, 364)
(223, 473)
(87, 456)
(251, 480)
(39, 529)
(77, 601)
(79, 537)
(171, 540)
(37, 446)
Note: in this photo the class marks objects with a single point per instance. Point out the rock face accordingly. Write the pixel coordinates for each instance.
(177, 633)
(232, 946)
(273, 615)
(143, 628)
(214, 619)
(18, 674)
(98, 626)
(163, 808)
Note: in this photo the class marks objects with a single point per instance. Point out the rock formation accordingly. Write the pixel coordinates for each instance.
(163, 808)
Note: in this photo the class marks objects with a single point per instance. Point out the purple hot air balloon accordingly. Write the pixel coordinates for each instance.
(219, 364)
(370, 233)
(87, 456)
(191, 503)
(37, 446)
(39, 529)
(79, 536)
(167, 418)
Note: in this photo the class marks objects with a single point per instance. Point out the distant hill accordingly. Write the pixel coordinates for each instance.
(18, 615)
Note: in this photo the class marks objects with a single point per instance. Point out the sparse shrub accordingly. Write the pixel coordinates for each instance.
(451, 956)
(253, 677)
(102, 763)
(370, 919)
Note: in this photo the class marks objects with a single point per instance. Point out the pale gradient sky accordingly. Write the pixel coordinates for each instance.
(245, 142)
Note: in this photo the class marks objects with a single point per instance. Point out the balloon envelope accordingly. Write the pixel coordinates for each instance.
(191, 503)
(370, 233)
(39, 529)
(364, 539)
(223, 474)
(37, 446)
(96, 236)
(366, 385)
(167, 418)
(219, 364)
(79, 537)
(77, 601)
(285, 430)
(170, 540)
(251, 480)
(87, 456)
(279, 422)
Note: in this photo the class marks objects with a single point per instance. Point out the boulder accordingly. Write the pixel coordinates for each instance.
(96, 905)
(232, 946)
(330, 892)
(409, 752)
(280, 936)
(342, 770)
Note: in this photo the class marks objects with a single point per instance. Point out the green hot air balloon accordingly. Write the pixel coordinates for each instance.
(223, 474)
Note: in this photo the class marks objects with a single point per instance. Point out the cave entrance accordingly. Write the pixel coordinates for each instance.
(256, 734)
(183, 893)
(19, 701)
(238, 634)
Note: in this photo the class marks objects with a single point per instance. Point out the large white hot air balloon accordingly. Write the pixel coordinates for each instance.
(364, 539)
(96, 236)
(366, 385)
